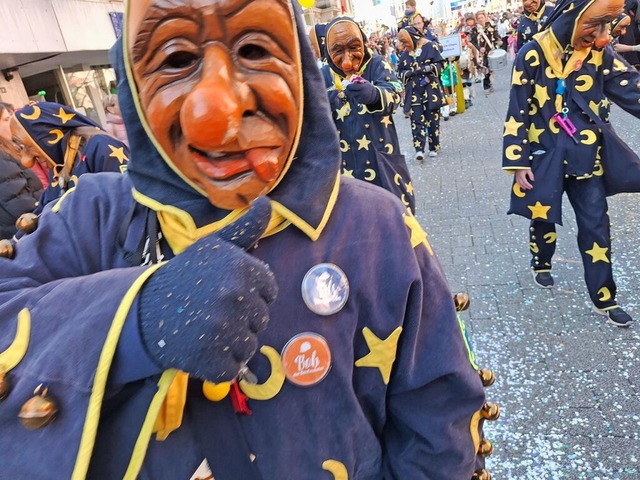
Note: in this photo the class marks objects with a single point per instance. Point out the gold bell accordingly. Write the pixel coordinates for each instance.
(5, 386)
(481, 475)
(487, 377)
(27, 223)
(486, 448)
(490, 411)
(7, 250)
(461, 301)
(39, 410)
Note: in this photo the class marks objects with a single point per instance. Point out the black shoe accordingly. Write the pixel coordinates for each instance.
(615, 316)
(543, 279)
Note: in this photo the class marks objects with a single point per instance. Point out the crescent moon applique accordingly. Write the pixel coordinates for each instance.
(586, 83)
(344, 146)
(553, 125)
(517, 191)
(549, 73)
(272, 386)
(58, 134)
(590, 137)
(362, 110)
(550, 237)
(370, 175)
(32, 116)
(534, 247)
(389, 148)
(397, 179)
(532, 54)
(604, 294)
(598, 170)
(414, 99)
(512, 152)
(337, 469)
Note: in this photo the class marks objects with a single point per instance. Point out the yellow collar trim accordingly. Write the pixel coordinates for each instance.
(553, 53)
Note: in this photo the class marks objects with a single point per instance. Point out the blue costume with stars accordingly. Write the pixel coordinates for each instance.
(53, 127)
(402, 399)
(544, 86)
(368, 138)
(532, 23)
(420, 71)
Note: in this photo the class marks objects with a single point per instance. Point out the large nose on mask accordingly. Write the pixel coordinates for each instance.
(212, 113)
(602, 37)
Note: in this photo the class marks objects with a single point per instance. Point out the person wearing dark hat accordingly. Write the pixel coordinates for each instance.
(409, 13)
(363, 94)
(232, 307)
(562, 82)
(618, 30)
(420, 68)
(318, 40)
(536, 13)
(67, 143)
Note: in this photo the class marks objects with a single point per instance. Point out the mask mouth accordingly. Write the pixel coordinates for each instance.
(232, 165)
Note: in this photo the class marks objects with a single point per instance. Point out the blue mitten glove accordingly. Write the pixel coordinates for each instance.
(202, 311)
(363, 93)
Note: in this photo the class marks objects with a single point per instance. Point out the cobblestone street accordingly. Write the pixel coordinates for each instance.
(568, 384)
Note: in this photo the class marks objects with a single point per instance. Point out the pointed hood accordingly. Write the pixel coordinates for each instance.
(307, 185)
(564, 18)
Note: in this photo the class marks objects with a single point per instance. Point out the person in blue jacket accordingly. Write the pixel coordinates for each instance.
(536, 14)
(231, 307)
(562, 80)
(363, 95)
(420, 68)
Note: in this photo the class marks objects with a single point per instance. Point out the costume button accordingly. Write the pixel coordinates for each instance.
(606, 71)
(530, 157)
(381, 139)
(27, 223)
(533, 237)
(487, 376)
(566, 176)
(521, 112)
(5, 386)
(461, 302)
(7, 250)
(39, 410)
(366, 125)
(486, 448)
(325, 289)
(624, 83)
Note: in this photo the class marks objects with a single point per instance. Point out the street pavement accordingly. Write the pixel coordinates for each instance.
(568, 384)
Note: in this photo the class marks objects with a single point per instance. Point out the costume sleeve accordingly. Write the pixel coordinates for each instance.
(332, 92)
(520, 37)
(433, 370)
(106, 154)
(385, 80)
(621, 82)
(62, 311)
(516, 148)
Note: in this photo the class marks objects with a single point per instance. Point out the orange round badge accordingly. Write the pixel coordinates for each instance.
(306, 359)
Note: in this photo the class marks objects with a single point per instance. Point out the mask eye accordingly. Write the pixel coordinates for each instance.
(253, 52)
(180, 60)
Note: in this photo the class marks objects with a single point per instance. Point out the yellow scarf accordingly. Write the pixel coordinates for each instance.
(553, 53)
(180, 231)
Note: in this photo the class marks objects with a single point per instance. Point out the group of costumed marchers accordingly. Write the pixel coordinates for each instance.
(558, 107)
(362, 107)
(136, 290)
(71, 144)
(420, 67)
(532, 21)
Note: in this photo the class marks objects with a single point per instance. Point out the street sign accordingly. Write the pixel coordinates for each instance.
(451, 45)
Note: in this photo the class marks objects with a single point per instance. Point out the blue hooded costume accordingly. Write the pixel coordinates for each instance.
(53, 128)
(550, 78)
(532, 23)
(401, 400)
(420, 71)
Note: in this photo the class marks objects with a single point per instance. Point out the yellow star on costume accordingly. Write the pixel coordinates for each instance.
(516, 77)
(598, 253)
(387, 66)
(386, 121)
(605, 102)
(418, 235)
(417, 144)
(596, 58)
(64, 116)
(363, 143)
(595, 107)
(541, 94)
(118, 153)
(347, 173)
(343, 111)
(539, 211)
(410, 188)
(534, 133)
(511, 127)
(434, 85)
(382, 353)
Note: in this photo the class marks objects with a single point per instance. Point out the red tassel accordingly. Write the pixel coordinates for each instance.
(239, 400)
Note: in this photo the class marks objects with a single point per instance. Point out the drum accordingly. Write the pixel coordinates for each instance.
(497, 59)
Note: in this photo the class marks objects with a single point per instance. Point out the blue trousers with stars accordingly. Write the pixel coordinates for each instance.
(589, 203)
(425, 122)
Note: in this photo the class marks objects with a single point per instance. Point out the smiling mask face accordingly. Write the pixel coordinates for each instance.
(220, 88)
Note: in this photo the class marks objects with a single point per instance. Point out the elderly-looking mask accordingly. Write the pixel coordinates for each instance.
(220, 90)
